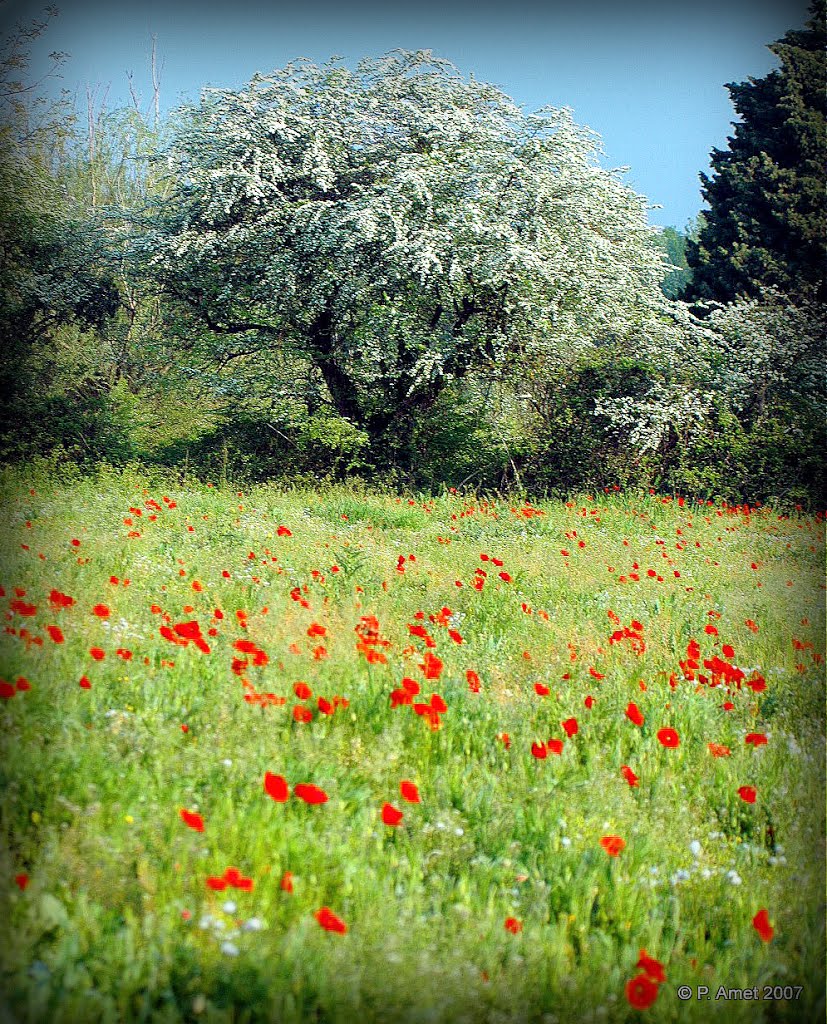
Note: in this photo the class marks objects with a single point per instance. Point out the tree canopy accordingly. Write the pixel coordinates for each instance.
(396, 227)
(767, 225)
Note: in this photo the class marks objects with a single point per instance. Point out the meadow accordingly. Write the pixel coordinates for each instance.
(341, 755)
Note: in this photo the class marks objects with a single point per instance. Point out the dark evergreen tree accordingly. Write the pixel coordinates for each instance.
(766, 222)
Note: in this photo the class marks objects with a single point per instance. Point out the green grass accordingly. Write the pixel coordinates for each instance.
(117, 922)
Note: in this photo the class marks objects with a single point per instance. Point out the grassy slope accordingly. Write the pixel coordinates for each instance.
(93, 779)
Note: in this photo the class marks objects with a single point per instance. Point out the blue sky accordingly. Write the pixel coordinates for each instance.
(648, 77)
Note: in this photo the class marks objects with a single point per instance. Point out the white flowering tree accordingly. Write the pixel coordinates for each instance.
(396, 227)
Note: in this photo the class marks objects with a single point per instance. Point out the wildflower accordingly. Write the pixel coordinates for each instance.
(391, 815)
(276, 787)
(629, 775)
(668, 737)
(329, 921)
(613, 845)
(634, 714)
(719, 750)
(652, 967)
(761, 923)
(310, 794)
(513, 925)
(570, 727)
(756, 739)
(641, 992)
(101, 611)
(286, 884)
(192, 820)
(58, 600)
(21, 881)
(409, 792)
(747, 794)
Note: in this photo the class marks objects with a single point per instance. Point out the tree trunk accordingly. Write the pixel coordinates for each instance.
(341, 387)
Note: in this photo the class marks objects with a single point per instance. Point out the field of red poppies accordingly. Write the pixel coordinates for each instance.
(290, 755)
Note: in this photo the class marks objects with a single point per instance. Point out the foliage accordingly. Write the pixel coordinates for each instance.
(766, 225)
(396, 227)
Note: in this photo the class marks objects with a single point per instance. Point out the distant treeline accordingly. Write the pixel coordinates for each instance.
(390, 272)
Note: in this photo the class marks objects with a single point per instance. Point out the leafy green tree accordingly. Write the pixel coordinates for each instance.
(395, 228)
(766, 225)
(673, 243)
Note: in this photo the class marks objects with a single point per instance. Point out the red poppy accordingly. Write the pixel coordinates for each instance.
(570, 727)
(22, 880)
(329, 921)
(756, 739)
(539, 751)
(629, 775)
(668, 737)
(192, 820)
(438, 704)
(216, 883)
(275, 786)
(473, 681)
(761, 923)
(286, 884)
(634, 714)
(58, 600)
(22, 608)
(513, 925)
(505, 739)
(302, 691)
(97, 653)
(391, 815)
(84, 683)
(309, 793)
(282, 531)
(652, 967)
(719, 750)
(589, 702)
(316, 630)
(301, 714)
(747, 794)
(56, 634)
(233, 877)
(728, 651)
(409, 792)
(641, 992)
(555, 746)
(541, 690)
(431, 666)
(612, 845)
(101, 611)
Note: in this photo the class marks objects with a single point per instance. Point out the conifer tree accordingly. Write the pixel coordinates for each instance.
(766, 223)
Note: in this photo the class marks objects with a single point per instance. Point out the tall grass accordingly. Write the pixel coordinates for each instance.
(111, 917)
